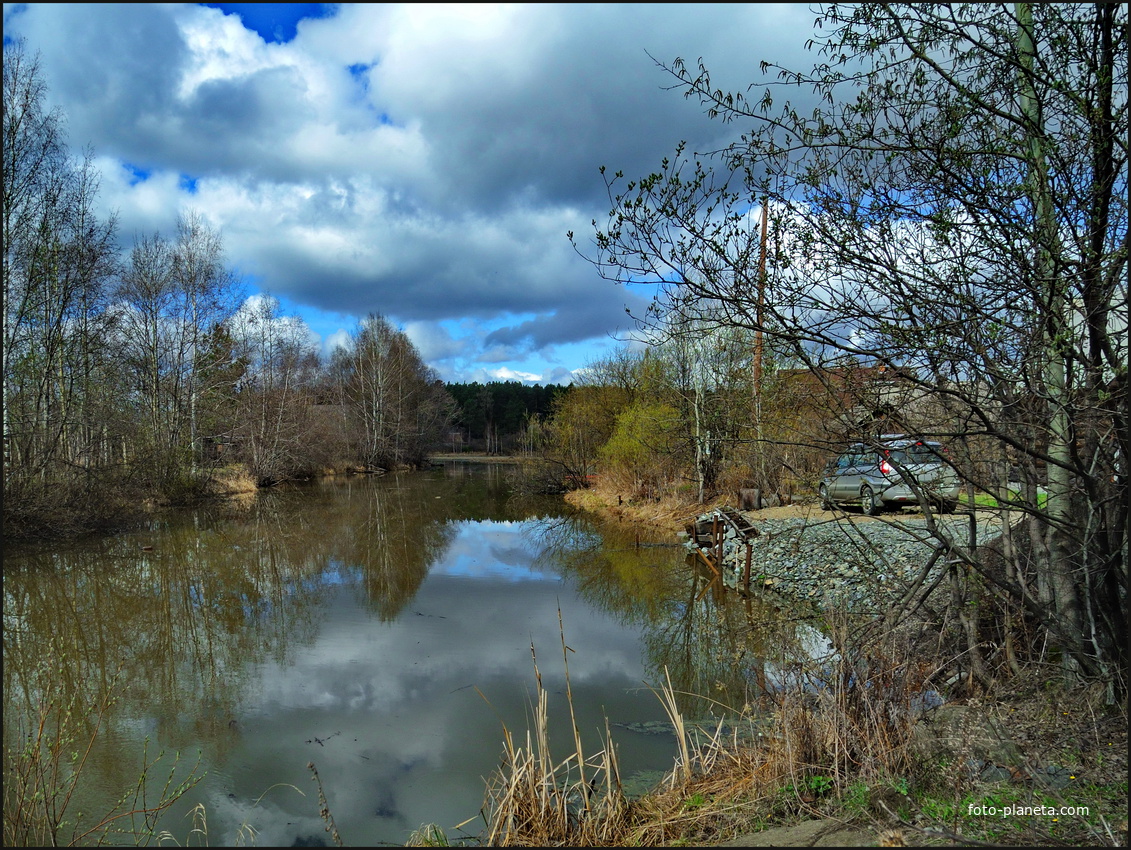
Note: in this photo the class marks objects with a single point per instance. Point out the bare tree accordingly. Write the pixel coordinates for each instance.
(153, 349)
(954, 209)
(170, 298)
(206, 290)
(708, 368)
(398, 404)
(58, 259)
(274, 427)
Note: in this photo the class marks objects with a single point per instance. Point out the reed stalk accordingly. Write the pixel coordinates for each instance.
(533, 800)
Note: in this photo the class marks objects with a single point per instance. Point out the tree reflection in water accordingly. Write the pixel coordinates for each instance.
(715, 643)
(255, 631)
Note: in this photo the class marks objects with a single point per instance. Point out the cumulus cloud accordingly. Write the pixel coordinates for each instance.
(420, 161)
(338, 339)
(433, 341)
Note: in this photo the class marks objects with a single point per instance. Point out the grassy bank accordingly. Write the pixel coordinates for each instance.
(478, 457)
(71, 508)
(665, 515)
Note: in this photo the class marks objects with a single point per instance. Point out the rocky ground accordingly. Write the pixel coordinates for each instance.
(846, 561)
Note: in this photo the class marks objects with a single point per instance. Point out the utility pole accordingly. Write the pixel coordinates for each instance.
(757, 376)
(758, 314)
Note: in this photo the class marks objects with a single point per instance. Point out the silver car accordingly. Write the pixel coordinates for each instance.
(894, 472)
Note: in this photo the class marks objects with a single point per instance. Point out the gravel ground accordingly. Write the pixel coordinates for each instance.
(836, 558)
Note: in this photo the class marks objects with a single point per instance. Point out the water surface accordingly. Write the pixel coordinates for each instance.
(381, 628)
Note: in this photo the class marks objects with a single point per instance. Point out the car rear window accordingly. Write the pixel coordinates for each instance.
(917, 454)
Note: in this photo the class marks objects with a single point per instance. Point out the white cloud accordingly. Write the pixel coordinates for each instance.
(507, 374)
(420, 161)
(338, 339)
(433, 341)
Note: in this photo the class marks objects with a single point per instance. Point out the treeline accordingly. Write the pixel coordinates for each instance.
(145, 376)
(707, 410)
(499, 416)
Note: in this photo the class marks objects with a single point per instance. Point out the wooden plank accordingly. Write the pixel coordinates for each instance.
(707, 561)
(707, 587)
(738, 522)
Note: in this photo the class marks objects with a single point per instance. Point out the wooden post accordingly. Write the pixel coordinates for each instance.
(717, 541)
(746, 577)
(707, 561)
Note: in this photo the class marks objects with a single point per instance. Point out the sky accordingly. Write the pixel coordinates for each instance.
(423, 162)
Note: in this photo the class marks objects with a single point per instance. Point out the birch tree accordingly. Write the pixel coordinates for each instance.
(170, 297)
(205, 289)
(709, 370)
(58, 260)
(397, 403)
(276, 391)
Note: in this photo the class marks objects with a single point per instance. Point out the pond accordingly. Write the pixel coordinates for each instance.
(380, 628)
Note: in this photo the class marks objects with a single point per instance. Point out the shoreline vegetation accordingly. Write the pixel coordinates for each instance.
(479, 457)
(841, 764)
(1031, 763)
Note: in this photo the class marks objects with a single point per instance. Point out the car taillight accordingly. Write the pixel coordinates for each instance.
(885, 467)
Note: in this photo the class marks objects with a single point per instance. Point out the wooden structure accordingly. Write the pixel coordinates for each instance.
(710, 534)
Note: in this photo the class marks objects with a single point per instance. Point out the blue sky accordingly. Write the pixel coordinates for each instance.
(424, 162)
(274, 22)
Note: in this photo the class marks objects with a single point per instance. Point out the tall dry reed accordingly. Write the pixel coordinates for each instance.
(536, 800)
(841, 719)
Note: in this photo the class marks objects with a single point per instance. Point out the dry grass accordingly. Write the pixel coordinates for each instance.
(668, 513)
(324, 807)
(859, 712)
(537, 800)
(233, 480)
(847, 719)
(534, 800)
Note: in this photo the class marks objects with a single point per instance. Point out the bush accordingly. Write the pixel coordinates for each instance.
(641, 455)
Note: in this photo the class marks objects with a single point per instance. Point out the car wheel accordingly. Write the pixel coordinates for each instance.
(826, 502)
(947, 507)
(869, 504)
